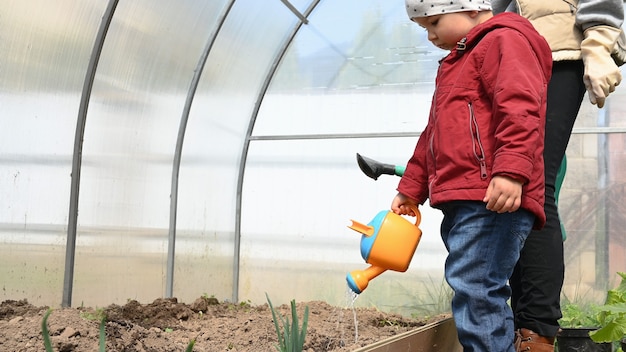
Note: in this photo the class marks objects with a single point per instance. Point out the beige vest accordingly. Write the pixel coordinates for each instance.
(556, 21)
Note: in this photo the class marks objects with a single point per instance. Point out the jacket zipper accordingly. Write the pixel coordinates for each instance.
(432, 150)
(479, 151)
(432, 136)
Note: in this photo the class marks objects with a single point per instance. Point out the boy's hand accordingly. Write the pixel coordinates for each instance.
(504, 194)
(402, 205)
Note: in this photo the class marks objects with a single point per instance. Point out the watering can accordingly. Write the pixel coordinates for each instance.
(388, 242)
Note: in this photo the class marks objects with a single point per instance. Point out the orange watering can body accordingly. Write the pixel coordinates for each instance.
(388, 242)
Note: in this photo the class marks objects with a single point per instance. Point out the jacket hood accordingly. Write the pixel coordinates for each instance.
(520, 24)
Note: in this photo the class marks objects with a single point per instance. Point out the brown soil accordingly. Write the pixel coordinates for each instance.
(167, 325)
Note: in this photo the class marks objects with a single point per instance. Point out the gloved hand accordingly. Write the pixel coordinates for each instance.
(601, 73)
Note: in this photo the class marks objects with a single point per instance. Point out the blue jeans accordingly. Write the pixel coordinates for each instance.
(483, 247)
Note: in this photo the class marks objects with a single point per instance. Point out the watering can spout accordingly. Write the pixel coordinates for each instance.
(362, 228)
(358, 279)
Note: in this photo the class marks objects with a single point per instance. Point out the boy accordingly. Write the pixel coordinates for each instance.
(480, 158)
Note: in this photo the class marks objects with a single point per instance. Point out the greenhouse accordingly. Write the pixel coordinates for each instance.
(155, 148)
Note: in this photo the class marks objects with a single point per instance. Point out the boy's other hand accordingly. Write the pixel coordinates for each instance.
(504, 194)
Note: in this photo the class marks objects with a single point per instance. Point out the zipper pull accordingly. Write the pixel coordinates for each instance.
(460, 45)
(483, 169)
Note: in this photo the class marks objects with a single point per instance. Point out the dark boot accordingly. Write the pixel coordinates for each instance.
(528, 340)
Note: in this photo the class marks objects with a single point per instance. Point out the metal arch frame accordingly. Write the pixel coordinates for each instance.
(295, 11)
(70, 252)
(80, 129)
(246, 146)
(70, 249)
(169, 285)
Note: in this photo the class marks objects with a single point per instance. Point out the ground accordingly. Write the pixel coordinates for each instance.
(166, 325)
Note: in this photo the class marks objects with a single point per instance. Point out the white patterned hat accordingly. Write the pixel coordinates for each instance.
(425, 8)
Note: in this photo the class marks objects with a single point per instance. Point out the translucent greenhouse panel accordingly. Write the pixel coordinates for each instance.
(343, 77)
(45, 51)
(148, 60)
(237, 67)
(592, 200)
(371, 71)
(299, 198)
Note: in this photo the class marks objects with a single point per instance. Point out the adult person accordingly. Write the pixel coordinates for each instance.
(480, 158)
(582, 36)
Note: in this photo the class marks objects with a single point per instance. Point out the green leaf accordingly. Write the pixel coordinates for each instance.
(103, 335)
(612, 331)
(614, 308)
(578, 316)
(45, 333)
(190, 345)
(281, 345)
(305, 321)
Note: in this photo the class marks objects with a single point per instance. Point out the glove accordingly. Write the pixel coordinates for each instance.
(601, 73)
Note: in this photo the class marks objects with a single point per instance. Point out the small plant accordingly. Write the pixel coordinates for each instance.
(608, 319)
(579, 315)
(612, 315)
(388, 322)
(291, 338)
(103, 335)
(434, 301)
(190, 346)
(98, 314)
(44, 331)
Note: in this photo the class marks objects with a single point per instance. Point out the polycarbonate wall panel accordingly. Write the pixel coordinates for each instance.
(299, 198)
(45, 52)
(367, 73)
(231, 84)
(381, 81)
(592, 200)
(147, 64)
(356, 67)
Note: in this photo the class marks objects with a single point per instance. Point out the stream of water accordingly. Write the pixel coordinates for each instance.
(351, 297)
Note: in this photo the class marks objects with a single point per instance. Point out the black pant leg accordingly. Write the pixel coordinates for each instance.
(538, 276)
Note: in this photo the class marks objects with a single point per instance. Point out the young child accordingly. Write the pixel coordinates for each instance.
(480, 158)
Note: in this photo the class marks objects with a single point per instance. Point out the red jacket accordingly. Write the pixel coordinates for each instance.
(487, 118)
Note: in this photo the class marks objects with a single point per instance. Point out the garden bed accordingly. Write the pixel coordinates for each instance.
(166, 325)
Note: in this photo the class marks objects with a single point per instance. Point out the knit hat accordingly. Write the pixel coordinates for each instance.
(424, 8)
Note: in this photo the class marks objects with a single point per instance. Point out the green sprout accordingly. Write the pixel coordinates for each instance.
(291, 338)
(44, 331)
